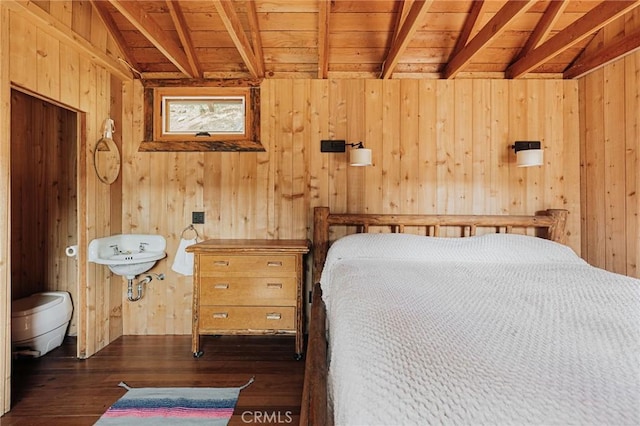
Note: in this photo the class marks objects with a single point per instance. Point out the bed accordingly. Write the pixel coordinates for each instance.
(505, 326)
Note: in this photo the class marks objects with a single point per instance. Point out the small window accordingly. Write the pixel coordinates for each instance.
(203, 115)
(203, 118)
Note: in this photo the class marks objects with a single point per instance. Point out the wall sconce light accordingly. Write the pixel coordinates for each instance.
(528, 153)
(358, 156)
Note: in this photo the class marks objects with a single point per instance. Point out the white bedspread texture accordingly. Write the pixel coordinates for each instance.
(479, 335)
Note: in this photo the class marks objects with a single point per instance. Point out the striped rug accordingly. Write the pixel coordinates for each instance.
(173, 406)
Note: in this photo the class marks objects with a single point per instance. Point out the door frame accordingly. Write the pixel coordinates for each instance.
(5, 218)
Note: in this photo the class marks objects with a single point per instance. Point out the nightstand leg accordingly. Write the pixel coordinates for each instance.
(299, 346)
(195, 345)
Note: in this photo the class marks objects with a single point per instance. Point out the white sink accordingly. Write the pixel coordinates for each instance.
(128, 254)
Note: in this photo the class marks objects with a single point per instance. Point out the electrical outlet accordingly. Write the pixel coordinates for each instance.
(197, 217)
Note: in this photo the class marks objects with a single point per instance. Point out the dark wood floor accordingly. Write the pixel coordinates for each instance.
(58, 389)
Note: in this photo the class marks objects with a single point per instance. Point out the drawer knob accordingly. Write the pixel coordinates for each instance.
(222, 286)
(274, 263)
(221, 263)
(274, 285)
(274, 316)
(220, 315)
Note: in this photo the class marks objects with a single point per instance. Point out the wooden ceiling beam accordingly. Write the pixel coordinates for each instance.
(112, 28)
(232, 23)
(181, 27)
(475, 14)
(324, 15)
(496, 26)
(603, 56)
(414, 18)
(591, 22)
(547, 22)
(144, 23)
(401, 16)
(254, 30)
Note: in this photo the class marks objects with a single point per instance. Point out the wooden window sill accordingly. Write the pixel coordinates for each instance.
(188, 146)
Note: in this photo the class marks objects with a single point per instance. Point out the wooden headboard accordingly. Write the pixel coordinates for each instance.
(548, 224)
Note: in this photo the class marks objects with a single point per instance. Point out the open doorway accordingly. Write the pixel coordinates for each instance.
(44, 199)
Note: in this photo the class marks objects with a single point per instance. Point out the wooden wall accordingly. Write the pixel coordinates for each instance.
(438, 147)
(57, 52)
(610, 149)
(43, 198)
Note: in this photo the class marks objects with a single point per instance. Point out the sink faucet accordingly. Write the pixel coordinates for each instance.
(115, 248)
(142, 247)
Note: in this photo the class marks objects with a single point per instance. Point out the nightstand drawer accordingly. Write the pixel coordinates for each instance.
(269, 265)
(247, 318)
(268, 291)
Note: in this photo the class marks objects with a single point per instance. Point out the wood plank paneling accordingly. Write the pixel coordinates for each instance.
(23, 55)
(480, 150)
(70, 68)
(300, 166)
(43, 62)
(463, 147)
(5, 213)
(373, 104)
(632, 164)
(354, 132)
(614, 168)
(43, 198)
(390, 152)
(609, 128)
(338, 130)
(438, 147)
(47, 65)
(501, 156)
(427, 145)
(39, 58)
(571, 152)
(632, 160)
(409, 145)
(445, 150)
(594, 203)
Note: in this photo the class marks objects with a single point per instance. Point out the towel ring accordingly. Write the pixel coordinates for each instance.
(190, 228)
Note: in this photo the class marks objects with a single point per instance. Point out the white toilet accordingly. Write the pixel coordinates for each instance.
(39, 322)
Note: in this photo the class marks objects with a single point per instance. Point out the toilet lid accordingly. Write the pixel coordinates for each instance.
(34, 303)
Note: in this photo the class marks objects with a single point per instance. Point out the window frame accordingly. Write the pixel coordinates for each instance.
(154, 140)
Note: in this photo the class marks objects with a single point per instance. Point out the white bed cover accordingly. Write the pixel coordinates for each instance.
(495, 330)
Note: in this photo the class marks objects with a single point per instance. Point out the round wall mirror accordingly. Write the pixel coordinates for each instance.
(106, 160)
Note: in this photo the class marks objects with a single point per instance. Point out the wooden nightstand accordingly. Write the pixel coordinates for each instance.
(251, 287)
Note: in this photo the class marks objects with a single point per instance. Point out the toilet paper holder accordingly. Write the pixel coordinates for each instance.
(72, 251)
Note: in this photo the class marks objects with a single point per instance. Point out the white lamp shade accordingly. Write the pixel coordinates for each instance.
(530, 157)
(360, 157)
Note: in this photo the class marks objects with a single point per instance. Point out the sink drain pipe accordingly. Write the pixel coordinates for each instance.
(146, 280)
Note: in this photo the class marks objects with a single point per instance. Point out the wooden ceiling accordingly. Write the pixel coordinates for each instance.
(239, 39)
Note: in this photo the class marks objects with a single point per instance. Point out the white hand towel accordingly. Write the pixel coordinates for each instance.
(183, 262)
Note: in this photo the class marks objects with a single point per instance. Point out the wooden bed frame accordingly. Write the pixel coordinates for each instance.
(548, 224)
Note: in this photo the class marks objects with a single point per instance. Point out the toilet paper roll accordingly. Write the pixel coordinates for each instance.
(72, 251)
